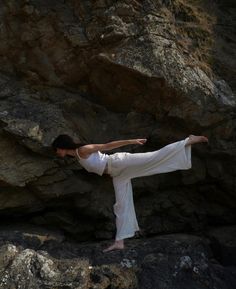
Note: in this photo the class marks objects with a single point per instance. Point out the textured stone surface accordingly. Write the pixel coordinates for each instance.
(40, 259)
(106, 70)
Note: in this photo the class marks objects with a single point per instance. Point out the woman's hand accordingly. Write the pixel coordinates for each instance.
(140, 141)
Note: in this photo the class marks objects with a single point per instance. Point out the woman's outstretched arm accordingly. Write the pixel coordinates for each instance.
(86, 150)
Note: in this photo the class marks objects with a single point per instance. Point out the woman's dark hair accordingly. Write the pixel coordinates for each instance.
(64, 141)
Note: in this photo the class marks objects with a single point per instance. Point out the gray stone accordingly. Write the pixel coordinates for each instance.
(108, 70)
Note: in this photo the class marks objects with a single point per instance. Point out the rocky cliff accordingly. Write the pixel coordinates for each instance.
(105, 70)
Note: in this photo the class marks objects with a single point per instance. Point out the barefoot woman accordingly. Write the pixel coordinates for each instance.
(123, 167)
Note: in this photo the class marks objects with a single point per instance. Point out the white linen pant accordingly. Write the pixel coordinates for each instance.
(125, 166)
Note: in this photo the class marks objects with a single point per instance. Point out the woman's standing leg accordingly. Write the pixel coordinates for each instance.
(126, 221)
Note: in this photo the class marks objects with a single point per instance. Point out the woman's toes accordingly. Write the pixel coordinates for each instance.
(113, 247)
(197, 139)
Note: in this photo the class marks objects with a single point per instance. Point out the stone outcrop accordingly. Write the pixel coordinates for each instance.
(105, 70)
(45, 260)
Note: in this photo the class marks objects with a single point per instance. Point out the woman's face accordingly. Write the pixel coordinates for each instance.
(61, 152)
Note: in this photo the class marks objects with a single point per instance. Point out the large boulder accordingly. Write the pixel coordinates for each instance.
(106, 70)
(33, 258)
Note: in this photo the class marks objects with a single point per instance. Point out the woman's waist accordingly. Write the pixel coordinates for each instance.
(106, 169)
(114, 163)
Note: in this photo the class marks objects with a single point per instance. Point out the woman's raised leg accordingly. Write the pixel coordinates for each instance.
(175, 156)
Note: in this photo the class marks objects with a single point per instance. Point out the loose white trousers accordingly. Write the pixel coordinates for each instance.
(125, 166)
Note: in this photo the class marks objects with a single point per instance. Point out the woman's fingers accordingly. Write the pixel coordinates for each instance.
(142, 140)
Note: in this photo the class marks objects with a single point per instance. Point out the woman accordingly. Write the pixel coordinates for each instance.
(122, 167)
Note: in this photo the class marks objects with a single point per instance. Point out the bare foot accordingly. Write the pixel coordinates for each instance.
(196, 139)
(118, 245)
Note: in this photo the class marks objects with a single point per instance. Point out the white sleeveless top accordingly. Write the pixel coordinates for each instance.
(95, 163)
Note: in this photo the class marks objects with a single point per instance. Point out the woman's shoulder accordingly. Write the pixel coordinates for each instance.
(82, 152)
(85, 153)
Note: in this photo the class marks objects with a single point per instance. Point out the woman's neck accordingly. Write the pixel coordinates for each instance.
(71, 152)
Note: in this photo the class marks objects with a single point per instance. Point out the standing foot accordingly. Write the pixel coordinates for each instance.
(118, 245)
(196, 139)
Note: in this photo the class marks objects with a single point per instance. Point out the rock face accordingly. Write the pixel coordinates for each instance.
(170, 261)
(105, 70)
